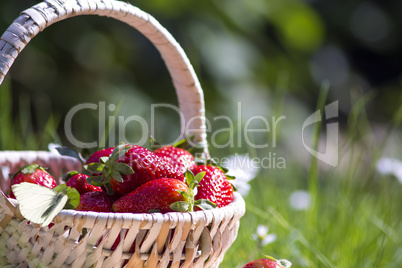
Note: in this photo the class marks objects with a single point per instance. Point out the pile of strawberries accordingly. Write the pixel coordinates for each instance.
(131, 178)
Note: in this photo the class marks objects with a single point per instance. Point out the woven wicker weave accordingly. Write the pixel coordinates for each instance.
(85, 239)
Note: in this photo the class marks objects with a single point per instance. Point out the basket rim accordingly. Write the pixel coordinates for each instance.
(87, 219)
(235, 209)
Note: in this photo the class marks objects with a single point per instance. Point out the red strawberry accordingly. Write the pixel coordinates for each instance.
(214, 186)
(268, 263)
(147, 166)
(96, 201)
(34, 174)
(178, 157)
(154, 195)
(130, 166)
(95, 157)
(79, 182)
(164, 195)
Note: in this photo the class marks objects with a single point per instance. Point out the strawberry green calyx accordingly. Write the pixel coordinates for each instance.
(183, 143)
(73, 196)
(186, 143)
(189, 203)
(189, 145)
(30, 169)
(108, 168)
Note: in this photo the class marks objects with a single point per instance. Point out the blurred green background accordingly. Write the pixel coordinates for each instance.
(238, 48)
(274, 57)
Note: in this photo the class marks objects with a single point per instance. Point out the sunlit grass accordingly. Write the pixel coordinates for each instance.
(17, 131)
(355, 216)
(357, 225)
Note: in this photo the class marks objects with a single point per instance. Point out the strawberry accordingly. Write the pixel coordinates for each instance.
(214, 186)
(33, 174)
(153, 195)
(95, 157)
(268, 262)
(96, 201)
(130, 166)
(79, 182)
(178, 157)
(147, 166)
(164, 195)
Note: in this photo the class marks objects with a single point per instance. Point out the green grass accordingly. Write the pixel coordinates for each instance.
(355, 219)
(353, 224)
(25, 126)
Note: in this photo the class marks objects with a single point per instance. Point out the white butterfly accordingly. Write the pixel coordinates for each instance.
(38, 204)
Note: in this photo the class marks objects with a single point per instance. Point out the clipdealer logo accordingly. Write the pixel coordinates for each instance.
(243, 131)
(331, 113)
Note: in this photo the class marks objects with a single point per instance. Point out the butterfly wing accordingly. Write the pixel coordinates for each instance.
(52, 211)
(38, 204)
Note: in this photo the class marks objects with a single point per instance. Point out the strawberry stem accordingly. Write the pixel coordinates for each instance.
(108, 168)
(189, 203)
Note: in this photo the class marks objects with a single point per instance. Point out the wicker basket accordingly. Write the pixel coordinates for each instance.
(85, 239)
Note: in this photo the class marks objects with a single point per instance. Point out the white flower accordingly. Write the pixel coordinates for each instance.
(300, 200)
(262, 235)
(244, 169)
(390, 166)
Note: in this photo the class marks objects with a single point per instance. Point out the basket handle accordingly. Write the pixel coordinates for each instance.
(188, 89)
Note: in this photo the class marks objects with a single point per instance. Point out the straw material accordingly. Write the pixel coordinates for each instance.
(89, 239)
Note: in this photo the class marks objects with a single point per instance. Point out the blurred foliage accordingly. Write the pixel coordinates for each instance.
(243, 47)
